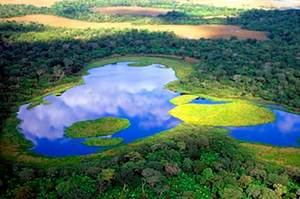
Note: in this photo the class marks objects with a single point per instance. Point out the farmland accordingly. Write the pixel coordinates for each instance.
(131, 10)
(183, 31)
(37, 3)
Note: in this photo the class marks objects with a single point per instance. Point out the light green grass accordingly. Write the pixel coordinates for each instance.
(98, 141)
(236, 113)
(183, 99)
(99, 127)
(284, 156)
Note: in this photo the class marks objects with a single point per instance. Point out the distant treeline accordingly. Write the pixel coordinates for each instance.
(181, 14)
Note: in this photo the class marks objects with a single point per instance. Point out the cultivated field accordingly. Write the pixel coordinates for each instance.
(183, 31)
(131, 10)
(38, 3)
(245, 4)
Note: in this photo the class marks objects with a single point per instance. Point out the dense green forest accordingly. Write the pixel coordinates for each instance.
(195, 162)
(192, 162)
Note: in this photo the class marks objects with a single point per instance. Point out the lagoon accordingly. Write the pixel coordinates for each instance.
(114, 90)
(137, 94)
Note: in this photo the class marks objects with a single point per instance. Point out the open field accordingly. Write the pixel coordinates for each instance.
(131, 10)
(245, 4)
(183, 31)
(37, 3)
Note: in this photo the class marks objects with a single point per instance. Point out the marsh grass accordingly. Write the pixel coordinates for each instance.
(183, 99)
(99, 127)
(236, 113)
(98, 141)
(284, 156)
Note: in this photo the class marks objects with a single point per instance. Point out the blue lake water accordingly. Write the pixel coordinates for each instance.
(135, 93)
(284, 131)
(205, 101)
(117, 90)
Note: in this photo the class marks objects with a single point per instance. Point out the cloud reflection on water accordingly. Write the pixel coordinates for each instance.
(136, 93)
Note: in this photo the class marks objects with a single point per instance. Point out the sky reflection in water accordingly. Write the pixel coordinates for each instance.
(136, 93)
(284, 131)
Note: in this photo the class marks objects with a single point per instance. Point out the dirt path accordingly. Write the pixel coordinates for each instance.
(183, 31)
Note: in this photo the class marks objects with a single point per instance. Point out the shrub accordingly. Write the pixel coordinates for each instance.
(76, 187)
(26, 174)
(24, 192)
(232, 193)
(172, 169)
(244, 181)
(187, 165)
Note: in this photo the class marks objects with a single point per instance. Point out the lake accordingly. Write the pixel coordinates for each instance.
(117, 90)
(135, 93)
(284, 131)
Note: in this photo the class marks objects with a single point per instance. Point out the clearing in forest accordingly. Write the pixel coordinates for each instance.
(183, 31)
(37, 3)
(131, 10)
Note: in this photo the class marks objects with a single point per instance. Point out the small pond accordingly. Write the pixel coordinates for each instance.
(117, 90)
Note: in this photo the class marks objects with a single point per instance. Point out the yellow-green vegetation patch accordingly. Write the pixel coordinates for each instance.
(98, 141)
(236, 113)
(183, 99)
(99, 127)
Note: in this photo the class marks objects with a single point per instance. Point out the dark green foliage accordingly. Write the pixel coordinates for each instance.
(136, 173)
(19, 10)
(76, 187)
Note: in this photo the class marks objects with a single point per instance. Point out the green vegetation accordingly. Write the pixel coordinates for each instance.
(98, 141)
(235, 113)
(183, 99)
(185, 162)
(19, 10)
(283, 156)
(182, 14)
(99, 127)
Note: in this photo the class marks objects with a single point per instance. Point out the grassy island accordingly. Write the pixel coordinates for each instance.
(99, 127)
(237, 113)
